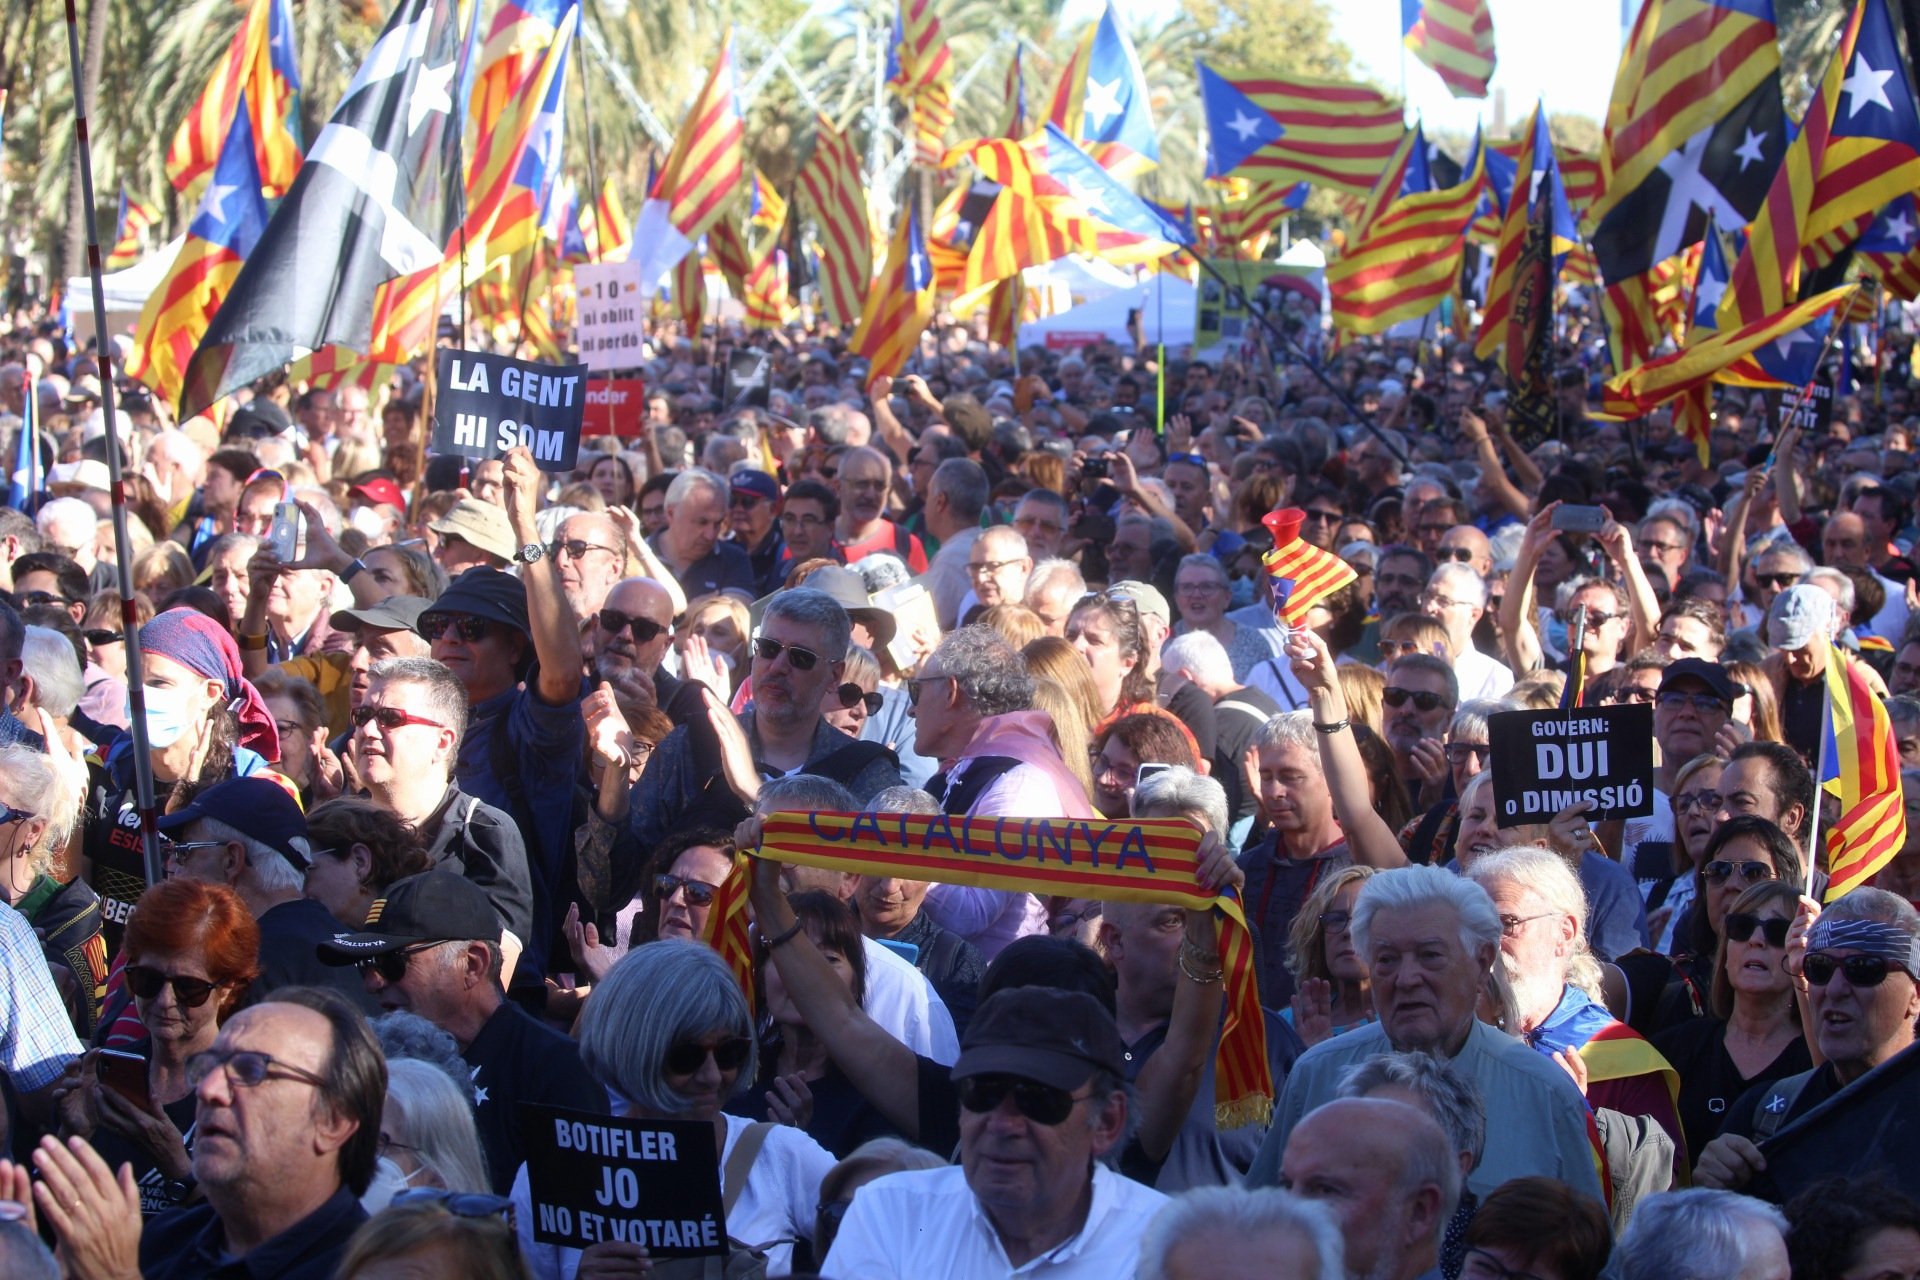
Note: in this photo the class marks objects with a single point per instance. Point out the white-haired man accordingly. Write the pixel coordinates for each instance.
(1233, 1233)
(1197, 660)
(690, 545)
(1456, 597)
(1703, 1232)
(1053, 588)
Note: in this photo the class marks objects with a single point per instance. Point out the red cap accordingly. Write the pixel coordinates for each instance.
(1284, 524)
(381, 492)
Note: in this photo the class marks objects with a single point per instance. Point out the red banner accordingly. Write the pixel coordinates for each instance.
(615, 407)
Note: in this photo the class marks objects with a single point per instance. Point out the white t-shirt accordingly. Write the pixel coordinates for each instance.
(902, 1001)
(1481, 676)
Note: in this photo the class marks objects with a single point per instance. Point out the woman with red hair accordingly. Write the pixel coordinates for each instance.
(191, 949)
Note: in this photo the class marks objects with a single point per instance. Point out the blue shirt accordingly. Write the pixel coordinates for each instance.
(725, 568)
(1616, 915)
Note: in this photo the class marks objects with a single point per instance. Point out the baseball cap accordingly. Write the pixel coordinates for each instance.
(486, 593)
(757, 483)
(381, 491)
(259, 419)
(1146, 598)
(480, 523)
(1055, 1037)
(1800, 615)
(434, 906)
(395, 613)
(1711, 674)
(258, 808)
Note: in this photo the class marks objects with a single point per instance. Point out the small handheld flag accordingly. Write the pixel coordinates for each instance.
(1302, 574)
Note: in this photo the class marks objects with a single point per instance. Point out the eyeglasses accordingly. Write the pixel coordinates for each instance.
(389, 718)
(392, 965)
(1720, 870)
(470, 629)
(101, 635)
(801, 520)
(699, 893)
(1394, 696)
(1705, 801)
(745, 501)
(189, 993)
(1394, 648)
(1740, 926)
(246, 1067)
(852, 695)
(767, 649)
(1199, 588)
(177, 850)
(1461, 752)
(1861, 971)
(461, 1204)
(1398, 579)
(913, 687)
(989, 566)
(1778, 581)
(1324, 516)
(1674, 699)
(1439, 601)
(575, 548)
(688, 1057)
(1462, 554)
(645, 630)
(1633, 693)
(31, 598)
(1336, 921)
(10, 814)
(1661, 548)
(1595, 617)
(1040, 1103)
(1191, 459)
(1512, 925)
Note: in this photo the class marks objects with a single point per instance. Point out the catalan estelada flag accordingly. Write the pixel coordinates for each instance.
(516, 154)
(1303, 574)
(703, 173)
(1860, 765)
(1535, 166)
(1409, 261)
(1455, 38)
(832, 189)
(899, 303)
(261, 69)
(1285, 128)
(920, 70)
(130, 233)
(726, 927)
(1102, 101)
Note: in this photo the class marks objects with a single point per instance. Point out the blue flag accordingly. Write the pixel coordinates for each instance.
(1102, 195)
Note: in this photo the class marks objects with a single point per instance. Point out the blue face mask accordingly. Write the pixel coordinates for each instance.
(1240, 593)
(166, 716)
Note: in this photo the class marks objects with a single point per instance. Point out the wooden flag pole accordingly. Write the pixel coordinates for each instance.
(122, 544)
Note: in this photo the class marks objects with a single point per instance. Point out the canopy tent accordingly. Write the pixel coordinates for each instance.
(1162, 300)
(126, 292)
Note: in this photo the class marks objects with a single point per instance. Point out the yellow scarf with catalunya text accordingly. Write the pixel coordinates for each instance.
(1152, 860)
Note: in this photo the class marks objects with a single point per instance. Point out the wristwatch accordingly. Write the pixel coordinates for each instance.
(530, 553)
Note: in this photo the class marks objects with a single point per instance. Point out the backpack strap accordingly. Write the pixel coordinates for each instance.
(1780, 1099)
(733, 1180)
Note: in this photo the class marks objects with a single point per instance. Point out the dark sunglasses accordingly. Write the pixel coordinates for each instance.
(768, 649)
(852, 695)
(102, 635)
(1740, 926)
(915, 685)
(1191, 459)
(389, 718)
(699, 893)
(189, 993)
(1861, 971)
(575, 548)
(1422, 699)
(434, 625)
(645, 630)
(729, 1055)
(1462, 554)
(1040, 1103)
(746, 500)
(392, 965)
(1327, 517)
(1779, 580)
(1720, 870)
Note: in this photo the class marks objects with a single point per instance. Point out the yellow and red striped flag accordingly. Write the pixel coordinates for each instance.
(259, 67)
(726, 927)
(1455, 38)
(920, 70)
(1303, 574)
(130, 233)
(900, 301)
(1409, 261)
(1644, 386)
(1330, 133)
(831, 185)
(516, 150)
(612, 236)
(1861, 768)
(705, 171)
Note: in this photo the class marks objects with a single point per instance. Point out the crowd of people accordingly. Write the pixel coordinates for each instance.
(457, 764)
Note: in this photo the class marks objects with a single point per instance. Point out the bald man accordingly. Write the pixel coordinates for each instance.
(590, 553)
(1844, 545)
(1465, 543)
(629, 637)
(1389, 1175)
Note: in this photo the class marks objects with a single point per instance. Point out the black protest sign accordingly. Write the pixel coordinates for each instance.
(749, 378)
(487, 404)
(1544, 761)
(595, 1178)
(1809, 408)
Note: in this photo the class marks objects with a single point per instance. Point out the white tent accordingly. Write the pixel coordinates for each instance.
(1161, 300)
(126, 292)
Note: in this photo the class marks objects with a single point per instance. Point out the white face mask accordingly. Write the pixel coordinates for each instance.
(167, 715)
(387, 1183)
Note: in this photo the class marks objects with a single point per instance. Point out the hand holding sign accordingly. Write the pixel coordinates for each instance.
(1546, 761)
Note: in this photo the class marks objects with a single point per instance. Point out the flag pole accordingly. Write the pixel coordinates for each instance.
(122, 542)
(1820, 775)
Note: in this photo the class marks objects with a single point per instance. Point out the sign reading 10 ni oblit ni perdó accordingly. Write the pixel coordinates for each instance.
(1544, 761)
(487, 404)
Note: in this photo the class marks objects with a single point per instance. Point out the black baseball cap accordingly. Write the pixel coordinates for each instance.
(258, 808)
(434, 906)
(492, 594)
(1711, 674)
(1055, 1037)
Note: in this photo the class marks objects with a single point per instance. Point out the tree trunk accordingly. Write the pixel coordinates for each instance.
(74, 255)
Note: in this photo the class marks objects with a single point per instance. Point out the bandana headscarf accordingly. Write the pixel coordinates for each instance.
(198, 643)
(1870, 937)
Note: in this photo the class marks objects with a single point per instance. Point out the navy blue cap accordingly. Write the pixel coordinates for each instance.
(758, 483)
(258, 808)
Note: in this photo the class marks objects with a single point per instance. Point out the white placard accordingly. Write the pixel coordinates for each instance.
(612, 312)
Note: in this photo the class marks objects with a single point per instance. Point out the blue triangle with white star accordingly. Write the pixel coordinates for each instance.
(1237, 126)
(1876, 96)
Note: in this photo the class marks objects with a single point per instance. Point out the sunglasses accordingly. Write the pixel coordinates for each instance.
(1324, 516)
(852, 695)
(1462, 554)
(1861, 971)
(246, 1067)
(1040, 1103)
(189, 993)
(645, 630)
(392, 965)
(729, 1055)
(1336, 921)
(389, 718)
(1191, 459)
(767, 650)
(575, 548)
(748, 501)
(102, 635)
(434, 625)
(1704, 703)
(1740, 926)
(1425, 701)
(1720, 870)
(699, 893)
(1461, 752)
(1779, 581)
(914, 686)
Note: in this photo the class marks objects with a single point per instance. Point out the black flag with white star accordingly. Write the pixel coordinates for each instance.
(1723, 170)
(378, 198)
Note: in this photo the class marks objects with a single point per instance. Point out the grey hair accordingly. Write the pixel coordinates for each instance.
(1841, 584)
(655, 997)
(814, 608)
(1470, 721)
(1451, 1096)
(1201, 560)
(29, 780)
(1179, 792)
(1903, 708)
(273, 870)
(805, 791)
(1235, 1213)
(888, 1155)
(23, 1256)
(1673, 511)
(1200, 652)
(408, 1035)
(990, 672)
(49, 658)
(438, 1123)
(1044, 573)
(446, 696)
(694, 478)
(1691, 1235)
(1453, 572)
(903, 800)
(1876, 904)
(965, 484)
(1801, 557)
(1292, 728)
(1410, 888)
(1546, 875)
(881, 570)
(1004, 536)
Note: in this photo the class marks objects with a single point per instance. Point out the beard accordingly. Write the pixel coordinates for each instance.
(1532, 991)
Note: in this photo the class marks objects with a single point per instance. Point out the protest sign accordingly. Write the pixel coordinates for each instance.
(594, 1178)
(611, 311)
(1810, 408)
(749, 378)
(488, 404)
(1544, 761)
(616, 407)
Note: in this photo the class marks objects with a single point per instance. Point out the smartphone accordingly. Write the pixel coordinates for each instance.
(125, 1074)
(1094, 468)
(1577, 519)
(1147, 771)
(284, 537)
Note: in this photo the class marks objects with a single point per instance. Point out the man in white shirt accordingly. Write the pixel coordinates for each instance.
(1040, 1078)
(1456, 597)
